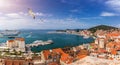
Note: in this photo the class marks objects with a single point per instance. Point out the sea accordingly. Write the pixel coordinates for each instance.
(60, 40)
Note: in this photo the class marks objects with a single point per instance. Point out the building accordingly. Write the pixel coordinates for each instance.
(21, 43)
(101, 43)
(11, 44)
(96, 41)
(18, 44)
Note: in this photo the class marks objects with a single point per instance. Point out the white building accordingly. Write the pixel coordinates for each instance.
(101, 43)
(96, 41)
(21, 43)
(18, 44)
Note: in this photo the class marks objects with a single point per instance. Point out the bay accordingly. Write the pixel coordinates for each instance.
(60, 40)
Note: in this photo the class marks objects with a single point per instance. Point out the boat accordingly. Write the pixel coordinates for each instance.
(9, 33)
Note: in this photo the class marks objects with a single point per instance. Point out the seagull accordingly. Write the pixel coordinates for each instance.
(31, 13)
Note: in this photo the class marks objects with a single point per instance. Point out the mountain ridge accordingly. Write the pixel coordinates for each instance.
(102, 27)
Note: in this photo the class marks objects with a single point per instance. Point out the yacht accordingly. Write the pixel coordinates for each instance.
(10, 33)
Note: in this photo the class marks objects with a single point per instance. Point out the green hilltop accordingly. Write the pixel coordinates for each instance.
(102, 27)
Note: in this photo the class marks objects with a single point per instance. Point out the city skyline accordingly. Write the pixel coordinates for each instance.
(59, 14)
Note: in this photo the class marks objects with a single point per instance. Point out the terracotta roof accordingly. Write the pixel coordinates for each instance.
(66, 58)
(81, 56)
(20, 39)
(46, 53)
(114, 52)
(59, 50)
(10, 40)
(110, 44)
(113, 34)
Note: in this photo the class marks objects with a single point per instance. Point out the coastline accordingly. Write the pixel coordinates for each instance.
(60, 40)
(85, 37)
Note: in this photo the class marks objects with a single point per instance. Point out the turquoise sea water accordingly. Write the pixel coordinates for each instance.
(60, 40)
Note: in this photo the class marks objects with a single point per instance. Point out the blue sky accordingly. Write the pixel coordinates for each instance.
(59, 14)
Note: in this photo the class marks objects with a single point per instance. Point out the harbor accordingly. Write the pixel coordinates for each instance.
(18, 50)
(59, 40)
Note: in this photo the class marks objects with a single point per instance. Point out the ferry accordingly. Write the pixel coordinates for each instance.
(9, 33)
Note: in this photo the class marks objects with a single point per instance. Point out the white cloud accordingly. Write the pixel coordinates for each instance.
(113, 4)
(37, 24)
(42, 14)
(7, 16)
(108, 14)
(15, 24)
(39, 14)
(22, 15)
(22, 20)
(14, 15)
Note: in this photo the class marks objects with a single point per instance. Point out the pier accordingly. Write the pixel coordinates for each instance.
(39, 43)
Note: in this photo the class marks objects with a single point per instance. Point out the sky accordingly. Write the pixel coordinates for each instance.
(59, 14)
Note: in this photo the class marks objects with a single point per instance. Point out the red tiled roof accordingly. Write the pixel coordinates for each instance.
(114, 52)
(46, 53)
(10, 40)
(113, 34)
(81, 56)
(20, 39)
(59, 50)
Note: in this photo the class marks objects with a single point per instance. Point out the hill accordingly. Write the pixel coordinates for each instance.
(101, 27)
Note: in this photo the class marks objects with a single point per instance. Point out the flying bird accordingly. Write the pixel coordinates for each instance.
(31, 13)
